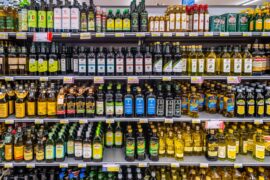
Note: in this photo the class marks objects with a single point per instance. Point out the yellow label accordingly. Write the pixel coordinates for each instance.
(261, 178)
(4, 110)
(251, 25)
(70, 147)
(97, 151)
(118, 24)
(8, 152)
(198, 149)
(245, 146)
(109, 138)
(42, 108)
(261, 110)
(260, 152)
(18, 152)
(126, 24)
(231, 152)
(11, 106)
(250, 145)
(251, 109)
(118, 138)
(241, 110)
(20, 110)
(28, 154)
(31, 108)
(259, 24)
(51, 108)
(267, 24)
(110, 24)
(40, 155)
(188, 149)
(268, 109)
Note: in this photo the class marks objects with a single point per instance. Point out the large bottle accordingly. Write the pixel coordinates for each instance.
(167, 66)
(66, 17)
(158, 60)
(50, 16)
(57, 17)
(53, 61)
(75, 17)
(91, 17)
(22, 13)
(32, 17)
(134, 17)
(143, 17)
(42, 17)
(83, 18)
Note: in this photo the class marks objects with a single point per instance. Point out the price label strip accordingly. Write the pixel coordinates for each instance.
(30, 165)
(196, 80)
(214, 125)
(180, 34)
(63, 121)
(68, 80)
(8, 165)
(44, 79)
(84, 36)
(167, 34)
(83, 121)
(143, 121)
(238, 165)
(175, 165)
(3, 35)
(119, 35)
(133, 80)
(142, 165)
(208, 34)
(258, 121)
(140, 34)
(111, 167)
(9, 121)
(168, 121)
(204, 165)
(100, 35)
(233, 80)
(196, 121)
(265, 34)
(21, 35)
(82, 165)
(110, 121)
(224, 34)
(65, 35)
(167, 78)
(39, 121)
(247, 34)
(9, 78)
(155, 34)
(63, 165)
(98, 80)
(193, 34)
(43, 37)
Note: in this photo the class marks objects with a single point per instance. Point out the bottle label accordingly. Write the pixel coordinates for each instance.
(139, 104)
(201, 25)
(57, 18)
(231, 152)
(91, 21)
(100, 107)
(42, 108)
(153, 150)
(260, 107)
(148, 65)
(194, 65)
(80, 107)
(158, 65)
(201, 65)
(193, 105)
(75, 65)
(63, 65)
(184, 103)
(3, 110)
(259, 24)
(23, 26)
(160, 106)
(101, 65)
(83, 22)
(222, 152)
(226, 65)
(51, 106)
(172, 22)
(184, 21)
(78, 149)
(140, 147)
(177, 66)
(8, 152)
(128, 106)
(120, 65)
(177, 108)
(196, 22)
(184, 65)
(129, 65)
(237, 65)
(42, 19)
(118, 138)
(90, 107)
(119, 108)
(59, 151)
(211, 65)
(156, 27)
(118, 24)
(20, 110)
(82, 66)
(177, 21)
(202, 100)
(32, 18)
(259, 151)
(247, 65)
(109, 108)
(18, 152)
(40, 154)
(130, 148)
(266, 24)
(206, 21)
(168, 67)
(229, 104)
(134, 21)
(151, 106)
(50, 19)
(245, 146)
(70, 147)
(66, 18)
(71, 107)
(139, 65)
(97, 151)
(251, 107)
(109, 138)
(49, 152)
(75, 20)
(212, 102)
(240, 107)
(87, 151)
(161, 26)
(267, 106)
(258, 64)
(110, 24)
(212, 149)
(91, 65)
(53, 65)
(169, 104)
(110, 65)
(126, 24)
(42, 65)
(33, 65)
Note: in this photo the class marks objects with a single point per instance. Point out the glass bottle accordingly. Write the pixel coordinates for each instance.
(4, 105)
(229, 103)
(154, 146)
(20, 108)
(130, 146)
(237, 62)
(192, 62)
(18, 146)
(90, 104)
(193, 104)
(71, 103)
(259, 103)
(139, 103)
(32, 17)
(118, 136)
(179, 147)
(42, 17)
(225, 62)
(211, 100)
(247, 62)
(162, 146)
(259, 146)
(91, 17)
(42, 104)
(49, 149)
(240, 104)
(222, 146)
(211, 62)
(158, 60)
(231, 146)
(167, 66)
(197, 141)
(250, 102)
(80, 103)
(211, 146)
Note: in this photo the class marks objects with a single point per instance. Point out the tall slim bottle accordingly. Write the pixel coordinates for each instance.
(32, 17)
(42, 17)
(75, 17)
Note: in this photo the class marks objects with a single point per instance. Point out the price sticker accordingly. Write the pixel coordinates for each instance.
(196, 80)
(98, 80)
(224, 34)
(65, 35)
(258, 121)
(83, 121)
(214, 124)
(63, 165)
(85, 35)
(247, 34)
(42, 37)
(30, 165)
(238, 165)
(44, 79)
(168, 121)
(100, 35)
(8, 165)
(142, 165)
(208, 34)
(109, 121)
(21, 35)
(39, 121)
(111, 167)
(204, 165)
(3, 35)
(133, 80)
(167, 34)
(233, 80)
(155, 34)
(167, 78)
(119, 34)
(141, 34)
(143, 121)
(63, 121)
(68, 80)
(82, 165)
(175, 165)
(196, 121)
(180, 34)
(9, 121)
(265, 34)
(193, 34)
(9, 78)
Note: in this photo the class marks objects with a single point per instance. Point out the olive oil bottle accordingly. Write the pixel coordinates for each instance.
(259, 103)
(231, 146)
(240, 104)
(211, 100)
(179, 147)
(247, 62)
(259, 146)
(192, 62)
(225, 62)
(31, 102)
(42, 104)
(210, 66)
(222, 145)
(20, 103)
(170, 144)
(52, 103)
(211, 146)
(229, 100)
(193, 104)
(197, 137)
(201, 60)
(237, 62)
(3, 103)
(250, 108)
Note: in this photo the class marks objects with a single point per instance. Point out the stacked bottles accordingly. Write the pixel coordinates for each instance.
(181, 18)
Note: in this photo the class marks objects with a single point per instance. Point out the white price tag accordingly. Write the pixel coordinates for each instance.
(85, 35)
(63, 121)
(65, 35)
(109, 121)
(208, 34)
(119, 34)
(233, 80)
(214, 125)
(196, 80)
(265, 34)
(9, 121)
(155, 34)
(140, 34)
(167, 78)
(204, 165)
(193, 34)
(111, 167)
(196, 121)
(68, 80)
(82, 165)
(63, 165)
(3, 35)
(224, 34)
(167, 34)
(133, 80)
(8, 165)
(143, 121)
(100, 35)
(21, 35)
(238, 165)
(258, 121)
(247, 34)
(175, 165)
(83, 121)
(9, 78)
(98, 80)
(42, 37)
(168, 121)
(180, 34)
(142, 165)
(30, 165)
(43, 79)
(39, 121)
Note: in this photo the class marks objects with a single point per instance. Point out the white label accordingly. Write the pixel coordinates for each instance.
(91, 65)
(119, 65)
(57, 18)
(184, 21)
(195, 22)
(161, 26)
(168, 66)
(148, 64)
(82, 65)
(177, 21)
(63, 64)
(206, 22)
(172, 21)
(222, 152)
(139, 65)
(110, 65)
(75, 18)
(75, 65)
(226, 65)
(66, 18)
(151, 29)
(201, 65)
(247, 65)
(119, 110)
(78, 149)
(211, 65)
(237, 65)
(156, 27)
(129, 65)
(184, 65)
(158, 66)
(201, 21)
(177, 66)
(101, 65)
(87, 151)
(193, 65)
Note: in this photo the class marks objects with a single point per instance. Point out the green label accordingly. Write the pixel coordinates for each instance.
(32, 19)
(91, 21)
(2, 23)
(9, 23)
(33, 65)
(83, 22)
(42, 65)
(130, 148)
(53, 65)
(141, 147)
(153, 149)
(49, 19)
(42, 19)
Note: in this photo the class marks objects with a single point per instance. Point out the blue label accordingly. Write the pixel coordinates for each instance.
(201, 100)
(151, 106)
(221, 103)
(193, 107)
(139, 106)
(128, 106)
(188, 2)
(212, 102)
(230, 105)
(184, 105)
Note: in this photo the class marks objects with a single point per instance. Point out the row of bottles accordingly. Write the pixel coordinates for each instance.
(132, 173)
(155, 59)
(181, 18)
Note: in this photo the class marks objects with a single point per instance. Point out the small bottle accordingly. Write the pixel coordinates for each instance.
(229, 103)
(259, 103)
(240, 104)
(231, 146)
(141, 145)
(250, 101)
(130, 146)
(211, 146)
(193, 104)
(153, 151)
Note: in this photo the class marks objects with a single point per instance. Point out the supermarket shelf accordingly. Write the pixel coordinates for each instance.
(203, 116)
(163, 77)
(116, 157)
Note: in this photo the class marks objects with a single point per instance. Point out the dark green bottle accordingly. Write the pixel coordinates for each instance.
(143, 18)
(42, 17)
